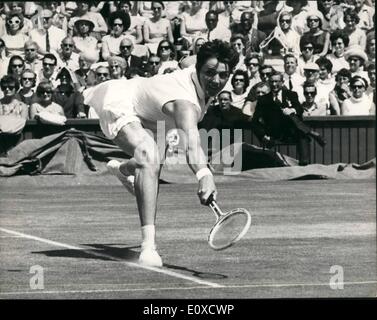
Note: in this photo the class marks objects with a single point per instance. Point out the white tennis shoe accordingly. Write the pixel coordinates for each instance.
(127, 181)
(149, 257)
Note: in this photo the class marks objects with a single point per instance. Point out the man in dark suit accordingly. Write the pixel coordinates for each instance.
(278, 118)
(126, 47)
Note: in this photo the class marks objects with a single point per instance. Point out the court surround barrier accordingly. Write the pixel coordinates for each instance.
(350, 139)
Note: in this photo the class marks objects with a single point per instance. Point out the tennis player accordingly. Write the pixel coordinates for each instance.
(127, 108)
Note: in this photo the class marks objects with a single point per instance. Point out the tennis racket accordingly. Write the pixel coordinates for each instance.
(230, 226)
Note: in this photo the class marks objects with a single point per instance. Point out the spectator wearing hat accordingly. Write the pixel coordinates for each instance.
(125, 48)
(311, 72)
(339, 42)
(341, 91)
(32, 60)
(14, 38)
(83, 41)
(252, 36)
(99, 28)
(67, 58)
(307, 54)
(356, 35)
(85, 76)
(314, 22)
(119, 22)
(359, 103)
(357, 60)
(47, 36)
(117, 67)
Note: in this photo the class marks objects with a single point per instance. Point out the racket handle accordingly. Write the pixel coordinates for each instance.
(210, 200)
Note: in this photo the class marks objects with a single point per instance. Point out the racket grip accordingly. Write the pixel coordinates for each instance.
(210, 199)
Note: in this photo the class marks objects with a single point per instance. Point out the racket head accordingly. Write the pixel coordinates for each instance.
(229, 229)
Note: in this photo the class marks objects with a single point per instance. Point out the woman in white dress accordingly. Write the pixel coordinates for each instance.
(359, 103)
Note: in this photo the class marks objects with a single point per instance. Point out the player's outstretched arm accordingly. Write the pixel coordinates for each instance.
(186, 117)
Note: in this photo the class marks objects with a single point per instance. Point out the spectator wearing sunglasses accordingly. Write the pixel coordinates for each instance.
(237, 42)
(240, 84)
(167, 54)
(84, 41)
(32, 60)
(49, 70)
(10, 104)
(357, 59)
(310, 106)
(359, 103)
(118, 67)
(307, 55)
(253, 61)
(126, 46)
(14, 38)
(28, 83)
(67, 58)
(119, 22)
(16, 66)
(153, 65)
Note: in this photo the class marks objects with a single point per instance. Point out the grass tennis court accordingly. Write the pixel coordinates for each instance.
(86, 239)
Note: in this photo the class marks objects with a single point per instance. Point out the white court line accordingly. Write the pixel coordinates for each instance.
(103, 255)
(271, 285)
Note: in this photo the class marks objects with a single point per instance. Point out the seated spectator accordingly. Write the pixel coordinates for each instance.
(365, 13)
(119, 22)
(48, 37)
(307, 54)
(265, 72)
(252, 36)
(341, 91)
(371, 47)
(4, 60)
(320, 37)
(332, 14)
(28, 82)
(190, 60)
(166, 52)
(49, 70)
(237, 42)
(32, 60)
(117, 67)
(359, 103)
(19, 7)
(102, 74)
(83, 41)
(82, 12)
(193, 22)
(292, 79)
(339, 41)
(216, 30)
(224, 114)
(240, 84)
(14, 38)
(67, 58)
(229, 13)
(310, 107)
(133, 62)
(253, 61)
(85, 76)
(357, 60)
(258, 90)
(326, 83)
(136, 21)
(16, 66)
(299, 15)
(72, 101)
(371, 91)
(153, 66)
(59, 19)
(157, 28)
(45, 109)
(355, 34)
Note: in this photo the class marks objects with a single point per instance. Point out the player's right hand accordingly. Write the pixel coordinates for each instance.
(206, 188)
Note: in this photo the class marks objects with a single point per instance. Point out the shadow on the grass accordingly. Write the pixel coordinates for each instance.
(126, 254)
(199, 274)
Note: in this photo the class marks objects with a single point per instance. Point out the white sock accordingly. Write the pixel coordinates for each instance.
(148, 234)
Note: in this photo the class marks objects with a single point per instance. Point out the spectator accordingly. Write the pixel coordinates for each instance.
(157, 28)
(292, 79)
(85, 76)
(237, 42)
(9, 104)
(268, 17)
(258, 90)
(230, 15)
(67, 58)
(117, 67)
(49, 70)
(253, 61)
(154, 64)
(4, 60)
(359, 103)
(240, 83)
(341, 91)
(28, 82)
(82, 12)
(19, 7)
(265, 72)
(190, 60)
(310, 107)
(16, 66)
(321, 38)
(357, 60)
(166, 52)
(332, 15)
(325, 83)
(126, 47)
(339, 41)
(215, 30)
(32, 60)
(355, 34)
(365, 14)
(44, 102)
(311, 72)
(48, 37)
(14, 38)
(307, 54)
(59, 20)
(67, 76)
(299, 15)
(72, 101)
(119, 22)
(102, 74)
(371, 47)
(252, 36)
(371, 91)
(193, 22)
(83, 41)
(136, 22)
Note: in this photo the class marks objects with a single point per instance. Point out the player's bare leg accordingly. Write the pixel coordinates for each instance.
(145, 165)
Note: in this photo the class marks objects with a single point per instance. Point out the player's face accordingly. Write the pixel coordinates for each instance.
(213, 76)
